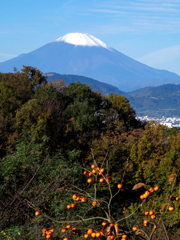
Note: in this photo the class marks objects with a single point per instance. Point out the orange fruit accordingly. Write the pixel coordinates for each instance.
(145, 223)
(84, 199)
(153, 216)
(142, 196)
(72, 205)
(146, 194)
(74, 196)
(93, 234)
(93, 166)
(98, 234)
(68, 206)
(65, 238)
(101, 170)
(101, 180)
(120, 185)
(77, 199)
(104, 223)
(135, 228)
(48, 236)
(89, 231)
(156, 188)
(146, 213)
(86, 235)
(94, 203)
(68, 226)
(37, 213)
(171, 208)
(63, 230)
(89, 180)
(151, 190)
(151, 212)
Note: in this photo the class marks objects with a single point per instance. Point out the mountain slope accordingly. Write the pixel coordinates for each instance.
(85, 55)
(104, 88)
(156, 101)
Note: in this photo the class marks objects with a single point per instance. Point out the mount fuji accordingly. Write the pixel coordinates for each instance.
(85, 55)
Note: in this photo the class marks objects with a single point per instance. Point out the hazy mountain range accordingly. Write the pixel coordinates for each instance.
(85, 55)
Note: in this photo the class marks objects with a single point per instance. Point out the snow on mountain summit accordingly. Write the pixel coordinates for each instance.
(82, 39)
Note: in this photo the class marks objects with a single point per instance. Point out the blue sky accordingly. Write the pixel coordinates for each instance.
(145, 30)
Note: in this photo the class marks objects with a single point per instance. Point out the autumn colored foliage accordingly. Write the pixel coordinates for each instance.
(77, 164)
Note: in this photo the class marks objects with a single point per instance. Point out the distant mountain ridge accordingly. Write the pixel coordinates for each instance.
(156, 101)
(95, 85)
(84, 55)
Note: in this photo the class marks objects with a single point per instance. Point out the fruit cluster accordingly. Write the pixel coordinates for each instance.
(151, 213)
(149, 192)
(99, 172)
(174, 198)
(47, 233)
(91, 233)
(72, 205)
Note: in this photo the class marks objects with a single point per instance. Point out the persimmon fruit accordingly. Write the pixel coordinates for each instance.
(86, 235)
(156, 188)
(171, 208)
(146, 213)
(37, 213)
(89, 180)
(146, 223)
(153, 216)
(135, 228)
(94, 203)
(68, 226)
(98, 234)
(90, 230)
(48, 236)
(151, 212)
(120, 185)
(93, 234)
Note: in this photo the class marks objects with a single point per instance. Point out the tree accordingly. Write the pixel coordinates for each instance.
(123, 115)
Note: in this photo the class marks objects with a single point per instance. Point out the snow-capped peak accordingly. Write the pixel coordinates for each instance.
(82, 39)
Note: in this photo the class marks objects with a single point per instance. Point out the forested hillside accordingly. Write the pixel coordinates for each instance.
(156, 101)
(75, 164)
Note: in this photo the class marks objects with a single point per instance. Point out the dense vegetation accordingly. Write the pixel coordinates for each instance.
(51, 133)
